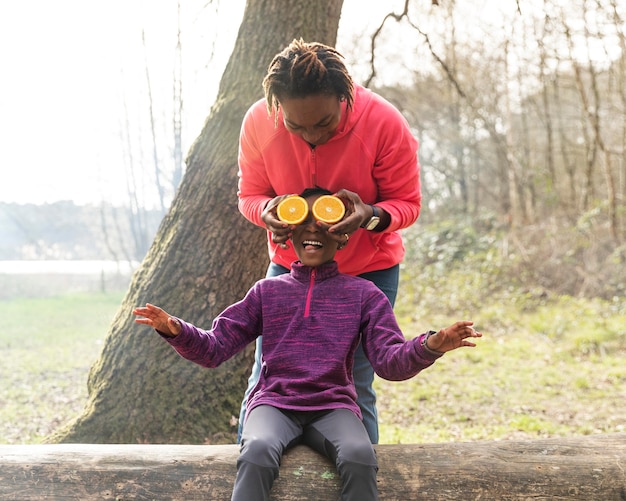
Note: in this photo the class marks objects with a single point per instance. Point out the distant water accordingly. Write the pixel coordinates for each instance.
(35, 279)
(66, 267)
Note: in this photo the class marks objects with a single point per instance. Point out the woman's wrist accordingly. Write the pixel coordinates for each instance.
(384, 220)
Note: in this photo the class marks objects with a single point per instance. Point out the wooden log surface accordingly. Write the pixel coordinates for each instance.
(586, 468)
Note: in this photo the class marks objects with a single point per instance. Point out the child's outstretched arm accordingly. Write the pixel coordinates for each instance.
(453, 337)
(158, 319)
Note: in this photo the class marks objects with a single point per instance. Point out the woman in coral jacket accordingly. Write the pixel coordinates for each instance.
(316, 127)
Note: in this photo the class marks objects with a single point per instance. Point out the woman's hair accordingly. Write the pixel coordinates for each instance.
(303, 69)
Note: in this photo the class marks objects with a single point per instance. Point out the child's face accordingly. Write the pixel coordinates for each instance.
(313, 245)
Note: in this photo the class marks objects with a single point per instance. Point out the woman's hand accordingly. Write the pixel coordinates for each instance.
(356, 213)
(158, 319)
(453, 337)
(281, 232)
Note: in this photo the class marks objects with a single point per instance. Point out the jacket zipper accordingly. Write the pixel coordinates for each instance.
(313, 167)
(309, 293)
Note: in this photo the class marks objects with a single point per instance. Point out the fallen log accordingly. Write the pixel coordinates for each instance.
(583, 468)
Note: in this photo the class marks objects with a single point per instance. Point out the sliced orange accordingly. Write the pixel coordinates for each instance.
(328, 209)
(292, 210)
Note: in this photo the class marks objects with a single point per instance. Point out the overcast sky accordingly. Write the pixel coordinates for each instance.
(68, 65)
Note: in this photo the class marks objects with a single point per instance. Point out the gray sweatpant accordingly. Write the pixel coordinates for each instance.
(338, 434)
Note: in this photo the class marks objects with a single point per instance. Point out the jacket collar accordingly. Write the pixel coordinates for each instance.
(302, 273)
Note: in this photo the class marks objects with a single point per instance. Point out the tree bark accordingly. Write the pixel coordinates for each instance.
(204, 257)
(573, 468)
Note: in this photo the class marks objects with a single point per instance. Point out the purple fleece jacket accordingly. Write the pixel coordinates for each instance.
(311, 321)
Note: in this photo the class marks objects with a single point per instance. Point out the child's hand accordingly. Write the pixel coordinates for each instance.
(158, 319)
(453, 337)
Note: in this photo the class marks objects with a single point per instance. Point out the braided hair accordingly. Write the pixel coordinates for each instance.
(303, 69)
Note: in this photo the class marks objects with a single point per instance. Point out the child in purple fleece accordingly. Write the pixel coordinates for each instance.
(311, 320)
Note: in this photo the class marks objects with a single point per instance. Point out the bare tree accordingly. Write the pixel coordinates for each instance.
(177, 80)
(135, 211)
(619, 72)
(155, 157)
(522, 123)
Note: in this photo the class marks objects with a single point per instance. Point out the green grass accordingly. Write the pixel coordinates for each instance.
(48, 346)
(541, 370)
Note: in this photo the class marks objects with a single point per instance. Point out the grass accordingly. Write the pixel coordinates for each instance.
(543, 369)
(48, 346)
(547, 366)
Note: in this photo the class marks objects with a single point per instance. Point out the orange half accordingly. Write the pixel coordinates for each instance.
(328, 209)
(292, 210)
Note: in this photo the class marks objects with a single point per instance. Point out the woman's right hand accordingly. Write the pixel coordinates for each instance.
(280, 231)
(356, 213)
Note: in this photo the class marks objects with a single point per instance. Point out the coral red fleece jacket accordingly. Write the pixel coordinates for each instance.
(311, 321)
(372, 153)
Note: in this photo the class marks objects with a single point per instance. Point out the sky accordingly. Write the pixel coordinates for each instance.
(74, 72)
(68, 67)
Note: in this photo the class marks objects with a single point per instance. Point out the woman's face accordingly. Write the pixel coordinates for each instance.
(314, 118)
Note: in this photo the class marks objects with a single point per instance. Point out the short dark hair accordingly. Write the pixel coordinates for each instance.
(316, 190)
(303, 69)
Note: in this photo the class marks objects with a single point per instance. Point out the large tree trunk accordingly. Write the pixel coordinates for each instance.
(204, 257)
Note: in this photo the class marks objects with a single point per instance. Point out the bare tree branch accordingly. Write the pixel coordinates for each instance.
(157, 173)
(398, 18)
